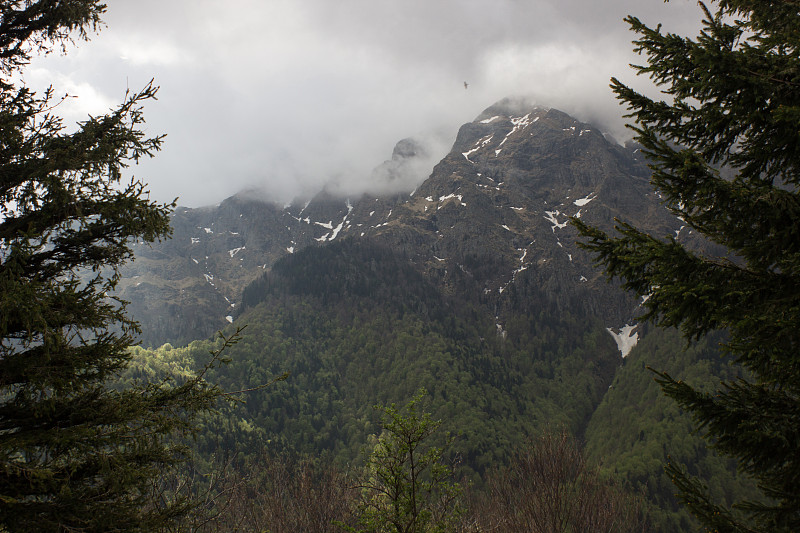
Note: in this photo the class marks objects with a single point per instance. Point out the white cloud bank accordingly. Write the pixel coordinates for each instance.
(285, 95)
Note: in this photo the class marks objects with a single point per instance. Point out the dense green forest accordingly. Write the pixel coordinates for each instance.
(367, 329)
(636, 430)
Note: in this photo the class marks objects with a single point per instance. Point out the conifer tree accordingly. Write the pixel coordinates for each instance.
(725, 149)
(77, 452)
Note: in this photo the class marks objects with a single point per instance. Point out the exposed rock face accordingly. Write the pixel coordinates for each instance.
(490, 220)
(494, 213)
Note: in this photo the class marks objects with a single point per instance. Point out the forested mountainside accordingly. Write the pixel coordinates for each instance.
(185, 288)
(471, 286)
(636, 430)
(369, 329)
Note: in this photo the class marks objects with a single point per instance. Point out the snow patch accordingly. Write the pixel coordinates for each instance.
(229, 318)
(290, 249)
(585, 200)
(337, 229)
(195, 240)
(235, 251)
(489, 120)
(551, 217)
(519, 123)
(208, 230)
(626, 339)
(460, 198)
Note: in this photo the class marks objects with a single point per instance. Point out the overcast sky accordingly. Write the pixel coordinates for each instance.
(285, 95)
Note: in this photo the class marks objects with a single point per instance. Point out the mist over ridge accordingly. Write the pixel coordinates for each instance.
(413, 158)
(297, 95)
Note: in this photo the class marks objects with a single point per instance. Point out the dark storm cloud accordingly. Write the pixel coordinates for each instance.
(286, 95)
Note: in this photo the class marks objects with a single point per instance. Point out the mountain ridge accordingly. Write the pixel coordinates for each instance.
(471, 285)
(495, 206)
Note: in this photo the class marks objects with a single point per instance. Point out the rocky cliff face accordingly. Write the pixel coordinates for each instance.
(497, 207)
(491, 221)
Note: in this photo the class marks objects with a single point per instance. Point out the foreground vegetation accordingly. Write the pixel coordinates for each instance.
(406, 484)
(731, 102)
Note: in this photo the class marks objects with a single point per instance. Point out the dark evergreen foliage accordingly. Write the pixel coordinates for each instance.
(732, 103)
(355, 324)
(77, 453)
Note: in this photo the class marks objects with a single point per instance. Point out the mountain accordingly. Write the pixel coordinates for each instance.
(471, 286)
(496, 206)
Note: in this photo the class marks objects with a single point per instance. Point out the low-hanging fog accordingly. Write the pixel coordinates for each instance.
(285, 96)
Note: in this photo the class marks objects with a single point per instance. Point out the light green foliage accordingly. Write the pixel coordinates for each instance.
(407, 487)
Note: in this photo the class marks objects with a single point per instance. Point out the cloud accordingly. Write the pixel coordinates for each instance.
(288, 95)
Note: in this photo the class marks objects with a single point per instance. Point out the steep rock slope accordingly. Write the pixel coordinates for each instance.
(495, 211)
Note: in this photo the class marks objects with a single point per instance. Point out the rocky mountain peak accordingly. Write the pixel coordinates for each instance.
(491, 216)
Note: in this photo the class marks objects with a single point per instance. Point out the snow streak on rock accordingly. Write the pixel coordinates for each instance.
(519, 123)
(522, 268)
(478, 145)
(460, 199)
(551, 217)
(585, 200)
